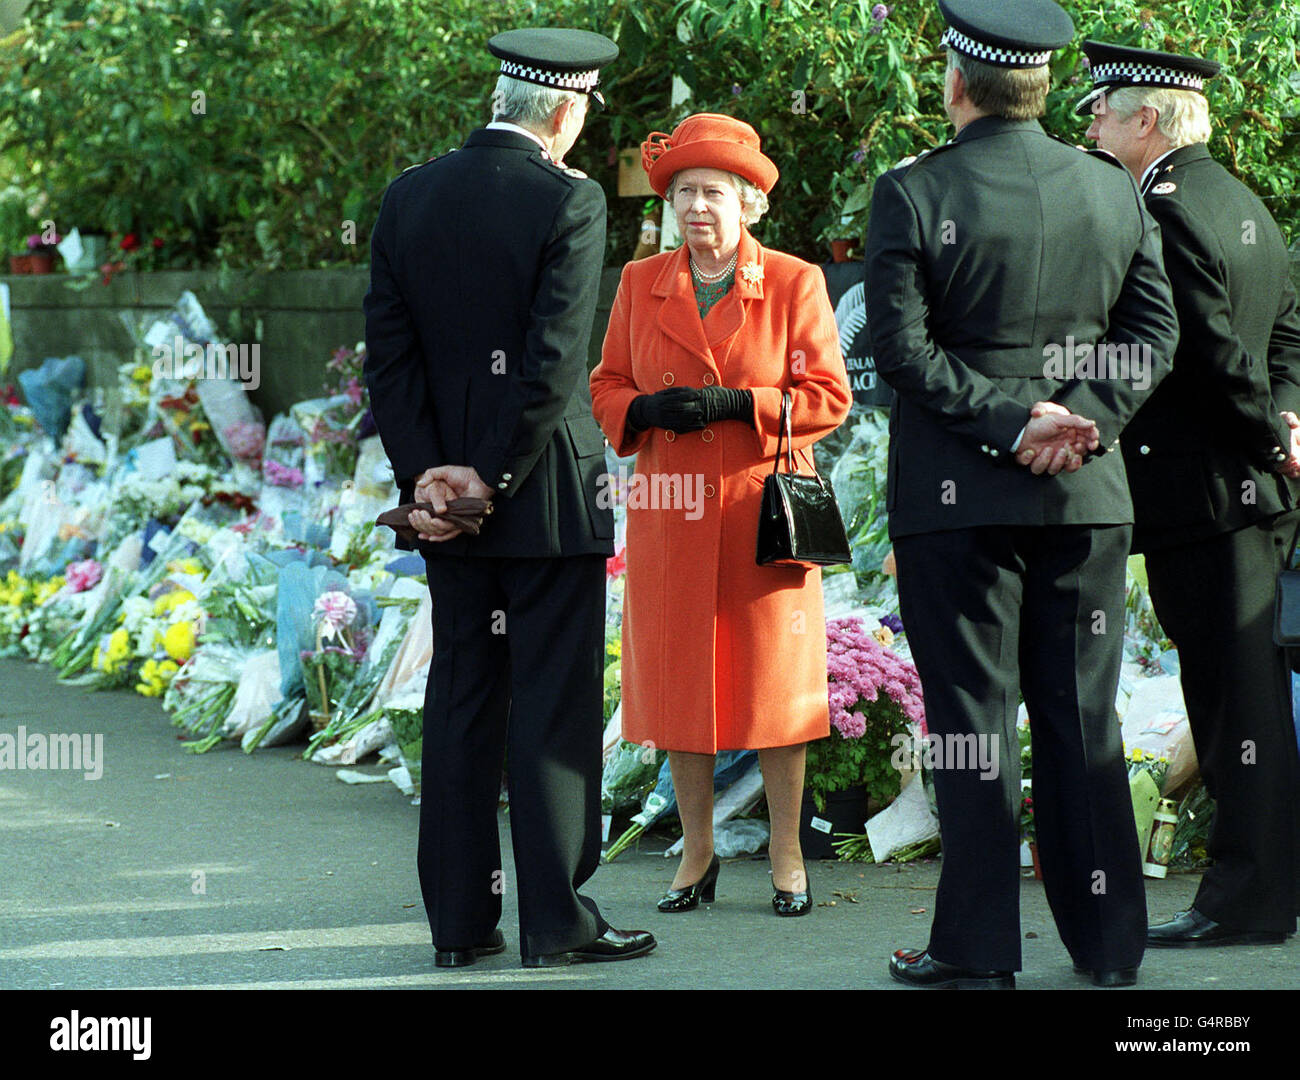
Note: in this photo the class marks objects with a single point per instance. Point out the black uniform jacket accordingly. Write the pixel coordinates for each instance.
(1200, 453)
(994, 263)
(485, 265)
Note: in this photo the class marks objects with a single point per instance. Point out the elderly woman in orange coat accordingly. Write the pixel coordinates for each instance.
(718, 652)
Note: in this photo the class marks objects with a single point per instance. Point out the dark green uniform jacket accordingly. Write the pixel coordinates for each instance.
(1200, 453)
(485, 265)
(991, 261)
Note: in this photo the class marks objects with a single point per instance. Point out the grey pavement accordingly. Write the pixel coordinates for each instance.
(307, 882)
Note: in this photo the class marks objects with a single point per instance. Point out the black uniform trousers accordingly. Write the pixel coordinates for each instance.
(1215, 600)
(517, 662)
(988, 609)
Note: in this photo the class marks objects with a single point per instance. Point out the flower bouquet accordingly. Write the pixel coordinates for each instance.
(328, 669)
(1140, 760)
(201, 692)
(350, 713)
(406, 719)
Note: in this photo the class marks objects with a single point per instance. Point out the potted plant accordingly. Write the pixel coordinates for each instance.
(41, 249)
(875, 698)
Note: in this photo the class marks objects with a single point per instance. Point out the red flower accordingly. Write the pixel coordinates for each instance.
(616, 564)
(157, 241)
(129, 242)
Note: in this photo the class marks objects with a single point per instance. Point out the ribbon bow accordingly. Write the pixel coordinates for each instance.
(656, 145)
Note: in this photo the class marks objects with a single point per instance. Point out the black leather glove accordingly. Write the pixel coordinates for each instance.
(727, 403)
(679, 408)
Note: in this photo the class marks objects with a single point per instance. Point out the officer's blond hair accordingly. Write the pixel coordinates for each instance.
(1014, 93)
(1182, 116)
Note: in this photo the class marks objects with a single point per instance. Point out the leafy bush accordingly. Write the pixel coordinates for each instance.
(249, 132)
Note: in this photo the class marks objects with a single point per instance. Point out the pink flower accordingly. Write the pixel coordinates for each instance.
(353, 391)
(336, 610)
(859, 669)
(246, 440)
(281, 475)
(80, 576)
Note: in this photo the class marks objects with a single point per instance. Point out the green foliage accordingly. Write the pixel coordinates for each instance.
(16, 224)
(310, 107)
(836, 763)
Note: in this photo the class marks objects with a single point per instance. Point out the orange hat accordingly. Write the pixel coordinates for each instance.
(707, 141)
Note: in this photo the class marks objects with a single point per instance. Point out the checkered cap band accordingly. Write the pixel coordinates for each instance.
(1146, 73)
(561, 80)
(992, 54)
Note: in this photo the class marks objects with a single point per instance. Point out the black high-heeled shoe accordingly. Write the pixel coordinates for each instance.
(689, 898)
(792, 903)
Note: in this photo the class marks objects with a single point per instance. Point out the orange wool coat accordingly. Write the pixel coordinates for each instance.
(718, 652)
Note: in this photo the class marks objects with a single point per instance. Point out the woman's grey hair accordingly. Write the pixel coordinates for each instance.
(753, 201)
(526, 103)
(1182, 116)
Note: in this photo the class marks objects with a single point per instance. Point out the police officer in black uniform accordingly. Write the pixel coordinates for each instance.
(485, 265)
(1212, 459)
(995, 263)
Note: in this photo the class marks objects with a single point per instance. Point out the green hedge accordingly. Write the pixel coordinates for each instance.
(309, 107)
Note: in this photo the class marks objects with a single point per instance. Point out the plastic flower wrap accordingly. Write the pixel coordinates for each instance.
(400, 609)
(201, 692)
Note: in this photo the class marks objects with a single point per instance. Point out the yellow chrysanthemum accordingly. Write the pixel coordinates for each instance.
(170, 601)
(141, 373)
(179, 641)
(119, 645)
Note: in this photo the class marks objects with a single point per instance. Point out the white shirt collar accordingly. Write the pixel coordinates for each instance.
(1150, 169)
(505, 125)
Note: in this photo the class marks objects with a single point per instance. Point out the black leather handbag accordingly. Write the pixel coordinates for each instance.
(800, 523)
(1286, 612)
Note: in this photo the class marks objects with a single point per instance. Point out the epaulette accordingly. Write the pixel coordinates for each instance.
(914, 159)
(545, 161)
(422, 164)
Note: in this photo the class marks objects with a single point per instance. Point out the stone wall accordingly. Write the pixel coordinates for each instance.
(297, 317)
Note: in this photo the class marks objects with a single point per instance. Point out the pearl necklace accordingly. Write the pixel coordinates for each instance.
(711, 278)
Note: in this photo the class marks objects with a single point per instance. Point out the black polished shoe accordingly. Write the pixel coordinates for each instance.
(916, 967)
(791, 903)
(689, 898)
(1109, 976)
(464, 957)
(1192, 930)
(611, 945)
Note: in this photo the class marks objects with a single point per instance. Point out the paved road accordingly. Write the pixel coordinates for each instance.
(310, 883)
